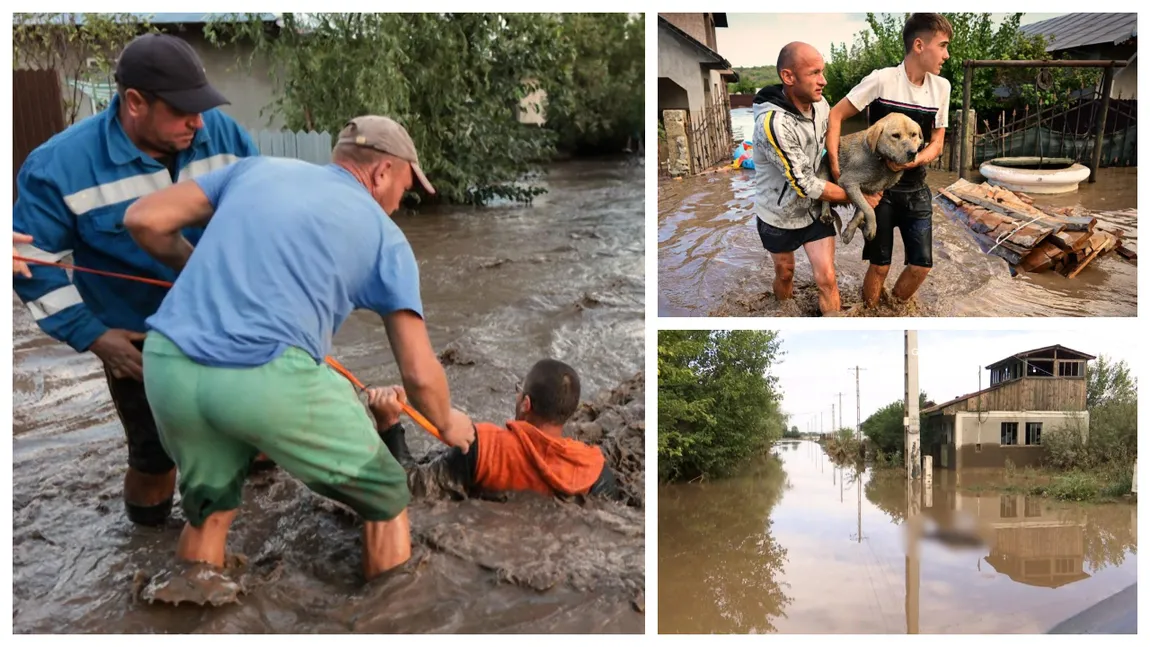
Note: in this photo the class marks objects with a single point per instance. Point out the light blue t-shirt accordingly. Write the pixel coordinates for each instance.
(292, 249)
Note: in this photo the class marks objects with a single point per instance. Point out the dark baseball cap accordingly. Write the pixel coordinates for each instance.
(386, 136)
(169, 68)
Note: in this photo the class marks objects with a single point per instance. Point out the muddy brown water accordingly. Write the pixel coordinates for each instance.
(711, 262)
(793, 545)
(502, 287)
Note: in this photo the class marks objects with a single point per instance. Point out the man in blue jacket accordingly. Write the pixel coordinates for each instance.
(160, 128)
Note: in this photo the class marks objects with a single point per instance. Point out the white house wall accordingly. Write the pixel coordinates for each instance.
(680, 62)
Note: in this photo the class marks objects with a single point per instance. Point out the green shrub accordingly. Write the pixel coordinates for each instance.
(1075, 486)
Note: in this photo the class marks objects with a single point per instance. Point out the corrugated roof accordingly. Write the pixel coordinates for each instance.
(1027, 353)
(940, 407)
(1083, 29)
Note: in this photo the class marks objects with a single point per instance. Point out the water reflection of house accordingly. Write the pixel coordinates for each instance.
(1032, 393)
(1032, 542)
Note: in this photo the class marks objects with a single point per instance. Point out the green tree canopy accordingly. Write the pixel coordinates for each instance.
(884, 428)
(596, 103)
(751, 79)
(455, 81)
(975, 38)
(718, 402)
(1112, 400)
(81, 46)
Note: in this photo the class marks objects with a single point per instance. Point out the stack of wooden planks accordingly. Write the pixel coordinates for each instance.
(1008, 225)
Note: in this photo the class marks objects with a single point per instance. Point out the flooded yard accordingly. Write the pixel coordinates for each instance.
(711, 262)
(795, 544)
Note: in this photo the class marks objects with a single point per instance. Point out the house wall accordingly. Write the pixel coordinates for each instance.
(1126, 82)
(700, 26)
(248, 92)
(717, 84)
(943, 450)
(679, 62)
(1028, 394)
(532, 108)
(973, 430)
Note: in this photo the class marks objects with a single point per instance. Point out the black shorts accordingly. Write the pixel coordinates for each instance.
(910, 211)
(145, 452)
(780, 241)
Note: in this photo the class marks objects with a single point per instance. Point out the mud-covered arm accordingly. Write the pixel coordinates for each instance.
(842, 111)
(450, 471)
(606, 486)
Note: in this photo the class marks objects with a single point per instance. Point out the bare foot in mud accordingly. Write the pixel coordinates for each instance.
(420, 555)
(736, 303)
(194, 583)
(890, 306)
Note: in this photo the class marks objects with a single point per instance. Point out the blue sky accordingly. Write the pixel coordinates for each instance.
(756, 38)
(815, 367)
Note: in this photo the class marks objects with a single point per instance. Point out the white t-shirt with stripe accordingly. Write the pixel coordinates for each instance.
(889, 90)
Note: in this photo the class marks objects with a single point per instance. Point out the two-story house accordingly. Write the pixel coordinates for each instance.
(1031, 394)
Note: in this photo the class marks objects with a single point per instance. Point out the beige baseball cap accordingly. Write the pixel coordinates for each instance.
(386, 136)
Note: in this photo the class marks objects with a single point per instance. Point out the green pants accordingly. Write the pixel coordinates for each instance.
(305, 417)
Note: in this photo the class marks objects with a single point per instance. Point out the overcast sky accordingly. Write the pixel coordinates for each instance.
(755, 38)
(815, 367)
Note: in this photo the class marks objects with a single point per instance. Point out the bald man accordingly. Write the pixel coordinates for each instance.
(790, 131)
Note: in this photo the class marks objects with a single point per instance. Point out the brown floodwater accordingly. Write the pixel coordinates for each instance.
(794, 545)
(502, 288)
(711, 262)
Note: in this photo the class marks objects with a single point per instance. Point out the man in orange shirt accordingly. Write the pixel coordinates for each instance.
(528, 454)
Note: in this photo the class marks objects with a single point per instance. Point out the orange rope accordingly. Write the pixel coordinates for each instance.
(140, 279)
(331, 361)
(415, 415)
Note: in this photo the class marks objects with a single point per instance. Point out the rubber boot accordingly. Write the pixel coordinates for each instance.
(148, 497)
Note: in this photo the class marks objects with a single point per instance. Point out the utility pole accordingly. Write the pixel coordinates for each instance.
(858, 405)
(916, 481)
(833, 416)
(840, 394)
(910, 422)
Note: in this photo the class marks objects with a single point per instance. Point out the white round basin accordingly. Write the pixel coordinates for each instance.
(1034, 175)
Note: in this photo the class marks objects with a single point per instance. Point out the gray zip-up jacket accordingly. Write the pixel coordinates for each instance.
(787, 150)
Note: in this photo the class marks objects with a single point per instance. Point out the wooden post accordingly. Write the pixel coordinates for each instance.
(927, 481)
(1100, 129)
(967, 72)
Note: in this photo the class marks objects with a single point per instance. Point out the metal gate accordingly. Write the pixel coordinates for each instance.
(37, 113)
(1065, 130)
